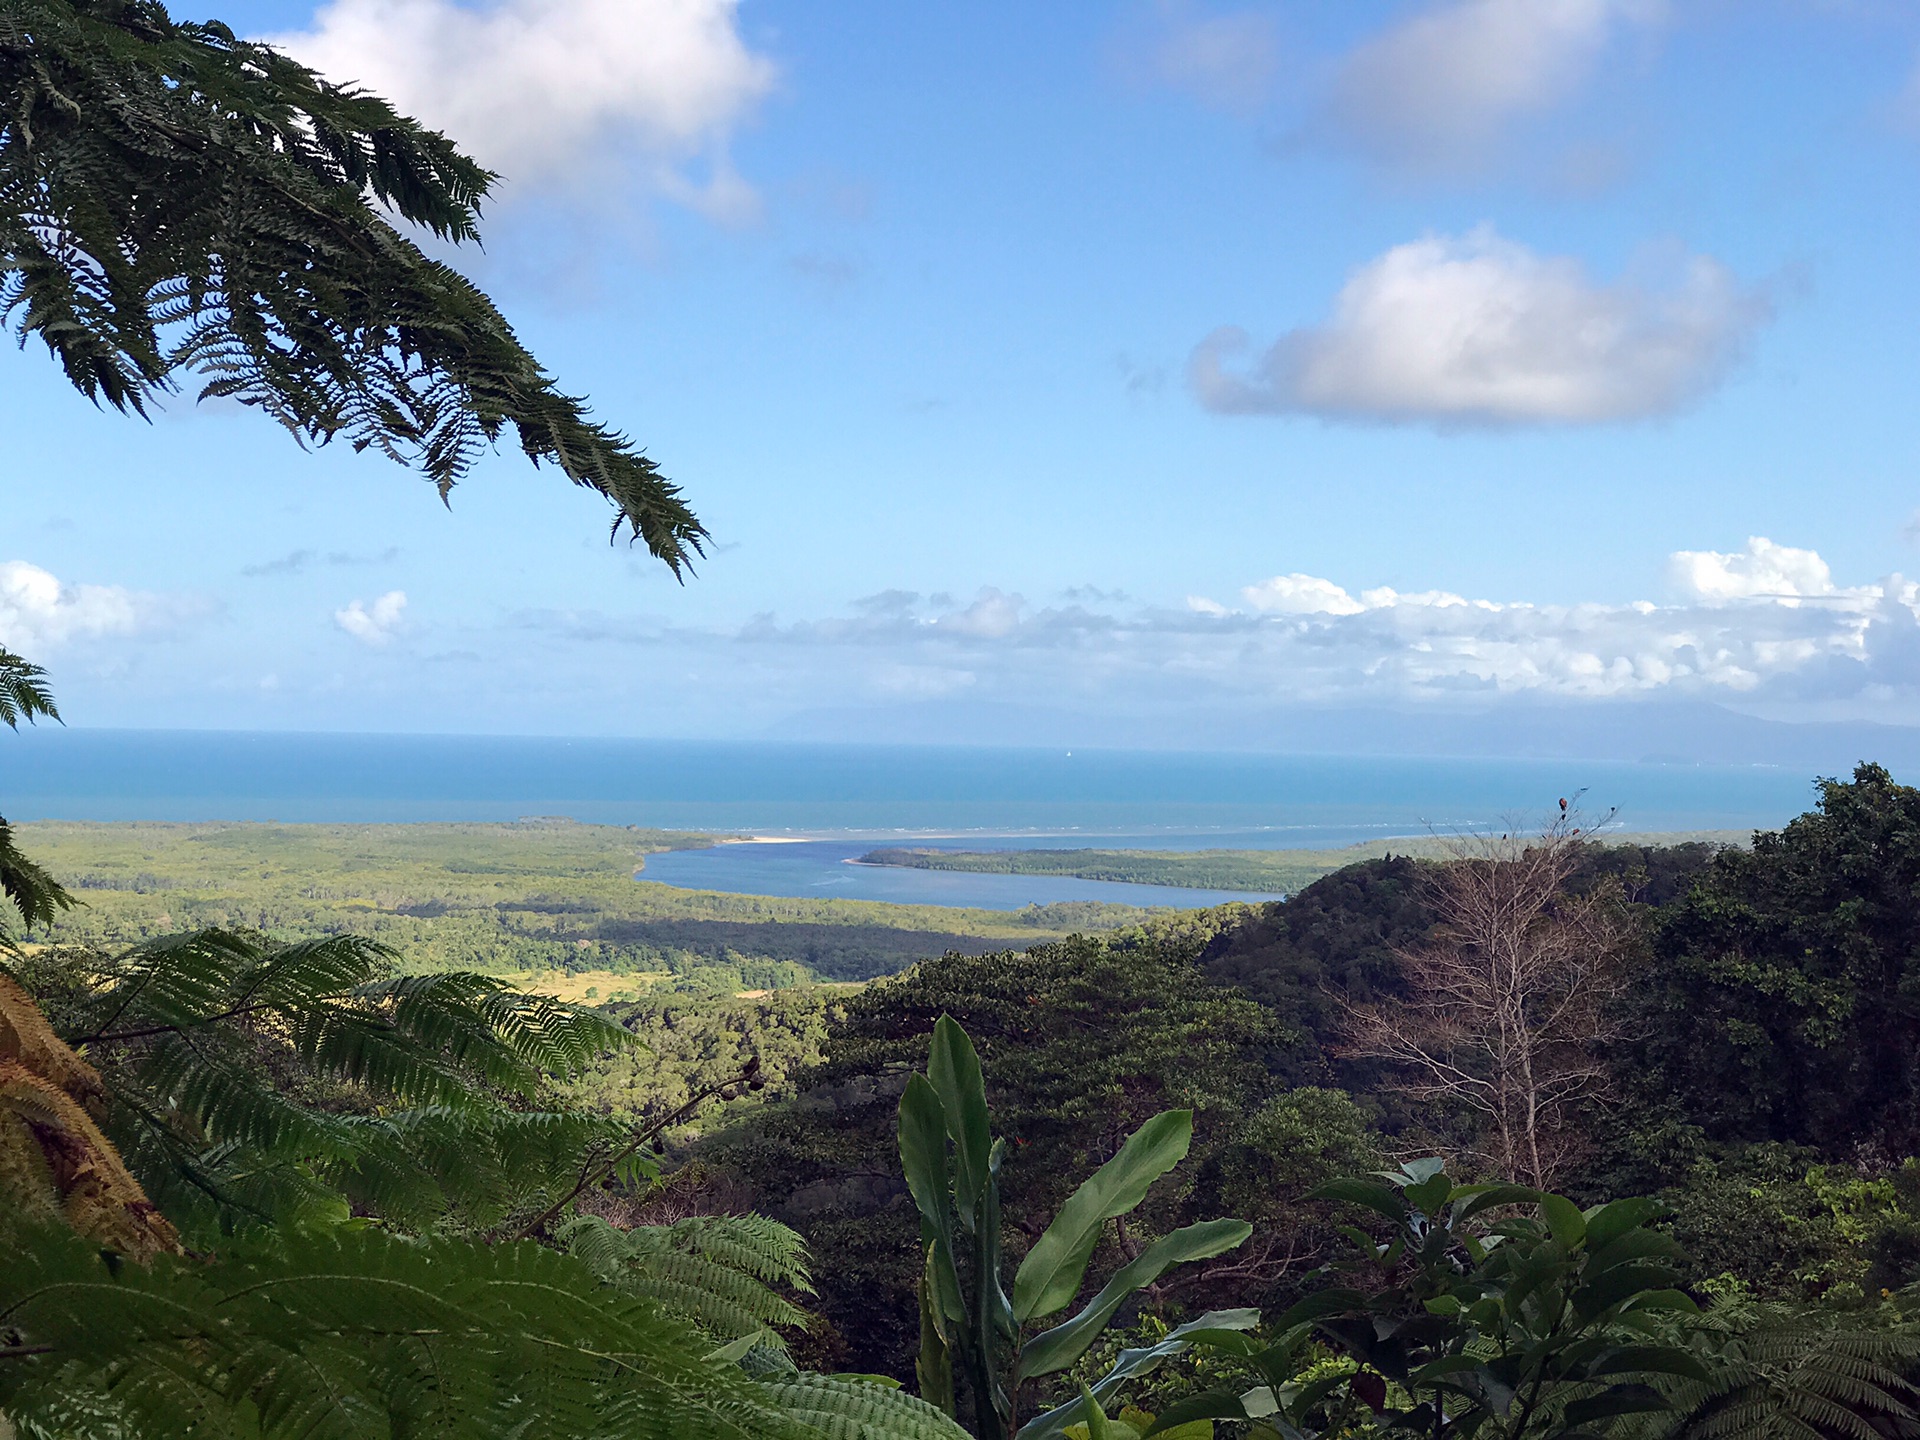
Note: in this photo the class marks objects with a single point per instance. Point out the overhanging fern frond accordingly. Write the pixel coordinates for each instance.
(176, 201)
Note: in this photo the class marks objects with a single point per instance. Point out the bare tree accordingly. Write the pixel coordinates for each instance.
(1506, 1005)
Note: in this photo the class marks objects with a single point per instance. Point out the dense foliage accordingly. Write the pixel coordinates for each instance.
(176, 200)
(1784, 1004)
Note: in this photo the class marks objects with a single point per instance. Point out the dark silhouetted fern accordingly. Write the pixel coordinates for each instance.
(174, 200)
(24, 695)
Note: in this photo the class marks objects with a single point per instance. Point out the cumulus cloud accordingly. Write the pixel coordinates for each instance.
(1478, 330)
(1297, 595)
(376, 623)
(38, 612)
(1441, 87)
(1762, 571)
(550, 90)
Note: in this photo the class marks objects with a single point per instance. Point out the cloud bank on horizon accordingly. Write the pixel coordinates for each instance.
(1766, 625)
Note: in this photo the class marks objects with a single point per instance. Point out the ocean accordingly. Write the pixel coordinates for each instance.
(77, 774)
(843, 796)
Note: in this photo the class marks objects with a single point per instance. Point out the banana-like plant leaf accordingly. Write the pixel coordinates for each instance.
(1050, 1276)
(1215, 1325)
(1059, 1347)
(954, 1070)
(923, 1154)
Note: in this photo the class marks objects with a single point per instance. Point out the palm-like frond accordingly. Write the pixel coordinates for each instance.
(175, 200)
(1777, 1374)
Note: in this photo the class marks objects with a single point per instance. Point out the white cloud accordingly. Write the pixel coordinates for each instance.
(1762, 571)
(1442, 86)
(39, 613)
(1478, 330)
(546, 90)
(1299, 595)
(373, 624)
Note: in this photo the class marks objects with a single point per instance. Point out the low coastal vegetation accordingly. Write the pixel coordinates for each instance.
(1277, 872)
(526, 898)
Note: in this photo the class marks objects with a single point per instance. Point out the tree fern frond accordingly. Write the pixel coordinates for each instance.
(24, 692)
(1781, 1375)
(839, 1408)
(175, 201)
(354, 1333)
(713, 1270)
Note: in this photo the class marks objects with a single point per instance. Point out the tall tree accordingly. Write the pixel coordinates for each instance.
(175, 201)
(1505, 1006)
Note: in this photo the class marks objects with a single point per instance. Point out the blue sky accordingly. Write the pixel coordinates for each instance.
(1152, 360)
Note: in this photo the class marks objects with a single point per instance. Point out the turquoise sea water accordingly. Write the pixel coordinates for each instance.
(848, 797)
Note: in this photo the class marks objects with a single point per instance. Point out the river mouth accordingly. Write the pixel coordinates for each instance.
(828, 869)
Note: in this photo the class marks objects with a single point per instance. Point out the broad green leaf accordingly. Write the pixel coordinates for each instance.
(1320, 1304)
(1050, 1276)
(1430, 1194)
(1059, 1347)
(1446, 1365)
(1355, 1191)
(1622, 1400)
(1650, 1360)
(1474, 1199)
(1634, 1245)
(954, 1070)
(1677, 1301)
(1563, 1217)
(1097, 1426)
(923, 1154)
(1622, 1283)
(1609, 1222)
(1209, 1405)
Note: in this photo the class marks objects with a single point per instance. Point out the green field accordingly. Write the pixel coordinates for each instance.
(1273, 872)
(523, 898)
